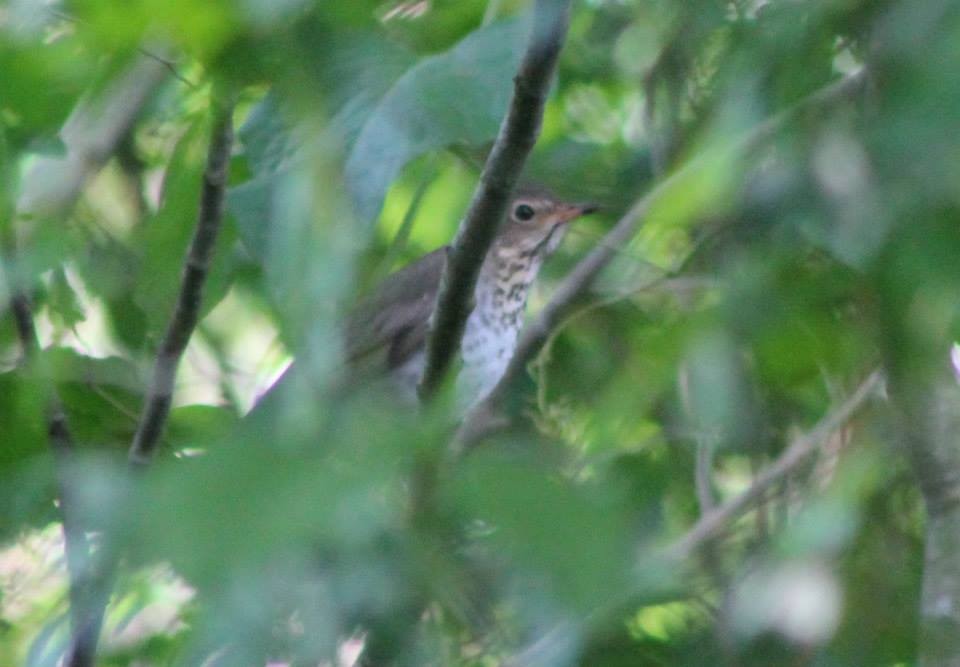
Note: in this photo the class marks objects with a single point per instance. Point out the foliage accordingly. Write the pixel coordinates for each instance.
(763, 286)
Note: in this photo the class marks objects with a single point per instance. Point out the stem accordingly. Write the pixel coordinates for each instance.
(518, 134)
(187, 310)
(182, 323)
(712, 523)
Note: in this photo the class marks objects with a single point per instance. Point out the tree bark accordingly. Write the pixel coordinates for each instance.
(931, 427)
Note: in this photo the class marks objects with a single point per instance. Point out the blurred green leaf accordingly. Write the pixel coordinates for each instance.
(101, 397)
(63, 302)
(199, 426)
(164, 238)
(456, 97)
(23, 413)
(829, 249)
(573, 538)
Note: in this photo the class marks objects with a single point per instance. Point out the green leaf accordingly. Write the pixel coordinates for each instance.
(304, 238)
(254, 500)
(251, 207)
(571, 535)
(164, 239)
(456, 97)
(266, 136)
(101, 396)
(31, 113)
(23, 415)
(63, 302)
(27, 497)
(355, 70)
(198, 426)
(110, 269)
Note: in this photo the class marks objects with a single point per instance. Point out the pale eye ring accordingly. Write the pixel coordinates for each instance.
(524, 212)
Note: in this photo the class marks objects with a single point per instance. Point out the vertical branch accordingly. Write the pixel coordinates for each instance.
(517, 136)
(91, 135)
(662, 132)
(930, 421)
(76, 546)
(182, 323)
(187, 309)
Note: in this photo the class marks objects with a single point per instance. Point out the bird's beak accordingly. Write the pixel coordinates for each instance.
(569, 212)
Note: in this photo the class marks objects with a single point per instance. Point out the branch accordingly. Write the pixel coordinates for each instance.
(182, 323)
(927, 402)
(486, 415)
(719, 518)
(187, 310)
(91, 135)
(76, 546)
(518, 134)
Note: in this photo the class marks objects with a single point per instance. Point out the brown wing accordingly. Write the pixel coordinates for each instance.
(379, 337)
(394, 318)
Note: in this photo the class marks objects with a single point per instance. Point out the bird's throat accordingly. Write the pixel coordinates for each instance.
(492, 329)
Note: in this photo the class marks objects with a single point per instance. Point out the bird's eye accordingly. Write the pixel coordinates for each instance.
(523, 212)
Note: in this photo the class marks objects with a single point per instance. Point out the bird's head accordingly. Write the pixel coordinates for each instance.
(537, 222)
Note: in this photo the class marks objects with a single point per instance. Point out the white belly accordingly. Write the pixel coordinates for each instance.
(489, 340)
(486, 350)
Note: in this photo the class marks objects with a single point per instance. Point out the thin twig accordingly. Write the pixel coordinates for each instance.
(169, 64)
(486, 415)
(517, 136)
(714, 522)
(187, 310)
(399, 243)
(703, 475)
(76, 546)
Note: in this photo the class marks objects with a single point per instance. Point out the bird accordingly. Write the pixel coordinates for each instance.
(391, 325)
(385, 333)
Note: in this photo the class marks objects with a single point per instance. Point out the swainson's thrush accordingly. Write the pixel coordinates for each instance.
(391, 325)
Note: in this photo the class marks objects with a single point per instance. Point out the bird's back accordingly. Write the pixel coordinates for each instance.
(390, 325)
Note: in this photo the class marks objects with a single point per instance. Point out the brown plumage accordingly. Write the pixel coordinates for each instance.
(391, 325)
(385, 334)
(394, 318)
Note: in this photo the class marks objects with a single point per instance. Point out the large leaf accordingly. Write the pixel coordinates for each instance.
(355, 70)
(456, 97)
(266, 137)
(33, 113)
(576, 539)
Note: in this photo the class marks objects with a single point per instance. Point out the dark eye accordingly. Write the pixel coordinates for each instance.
(523, 212)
